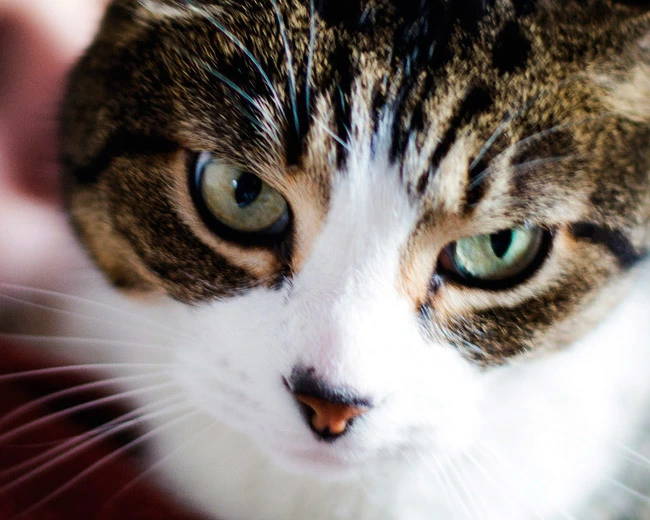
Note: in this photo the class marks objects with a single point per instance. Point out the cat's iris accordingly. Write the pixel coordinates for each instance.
(236, 200)
(504, 257)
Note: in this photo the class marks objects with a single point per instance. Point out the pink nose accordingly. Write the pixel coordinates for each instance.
(329, 410)
(329, 418)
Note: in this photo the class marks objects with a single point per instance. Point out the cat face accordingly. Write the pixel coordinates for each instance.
(363, 203)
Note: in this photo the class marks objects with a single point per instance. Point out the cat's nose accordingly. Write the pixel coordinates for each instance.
(328, 410)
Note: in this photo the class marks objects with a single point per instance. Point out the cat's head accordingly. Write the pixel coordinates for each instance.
(364, 205)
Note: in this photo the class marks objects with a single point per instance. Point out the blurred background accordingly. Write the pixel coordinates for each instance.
(39, 41)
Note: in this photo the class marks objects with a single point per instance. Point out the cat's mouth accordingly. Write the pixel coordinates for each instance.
(324, 460)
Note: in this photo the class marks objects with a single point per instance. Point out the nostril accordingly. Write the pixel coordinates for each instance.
(329, 419)
(328, 410)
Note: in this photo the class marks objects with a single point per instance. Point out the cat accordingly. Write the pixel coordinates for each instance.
(389, 258)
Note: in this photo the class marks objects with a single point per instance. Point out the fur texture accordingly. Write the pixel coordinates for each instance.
(392, 130)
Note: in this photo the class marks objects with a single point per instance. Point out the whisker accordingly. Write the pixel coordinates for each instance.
(84, 341)
(627, 489)
(464, 489)
(226, 81)
(291, 74)
(87, 302)
(454, 489)
(342, 99)
(79, 408)
(435, 470)
(84, 445)
(523, 143)
(490, 141)
(22, 410)
(508, 120)
(243, 48)
(332, 134)
(108, 458)
(519, 112)
(310, 52)
(554, 130)
(73, 441)
(627, 452)
(155, 466)
(15, 376)
(490, 479)
(630, 454)
(515, 168)
(490, 453)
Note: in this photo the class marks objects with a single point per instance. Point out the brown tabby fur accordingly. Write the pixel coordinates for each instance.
(573, 75)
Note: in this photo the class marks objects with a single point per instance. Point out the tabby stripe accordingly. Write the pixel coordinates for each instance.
(342, 64)
(340, 12)
(511, 49)
(617, 243)
(477, 101)
(525, 7)
(121, 143)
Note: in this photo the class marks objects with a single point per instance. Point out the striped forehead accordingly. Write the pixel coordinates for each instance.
(303, 50)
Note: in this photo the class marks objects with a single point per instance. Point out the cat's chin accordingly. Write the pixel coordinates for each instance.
(323, 461)
(319, 464)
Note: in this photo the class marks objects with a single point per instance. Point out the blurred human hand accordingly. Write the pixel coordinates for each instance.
(39, 41)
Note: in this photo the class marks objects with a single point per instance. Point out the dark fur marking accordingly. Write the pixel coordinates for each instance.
(492, 330)
(511, 50)
(189, 269)
(340, 12)
(120, 144)
(557, 144)
(423, 42)
(524, 7)
(614, 240)
(342, 64)
(423, 182)
(477, 101)
(476, 189)
(634, 3)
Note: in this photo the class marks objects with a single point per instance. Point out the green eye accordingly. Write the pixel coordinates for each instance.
(503, 258)
(237, 203)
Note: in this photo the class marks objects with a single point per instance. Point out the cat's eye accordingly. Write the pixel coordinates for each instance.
(497, 260)
(237, 203)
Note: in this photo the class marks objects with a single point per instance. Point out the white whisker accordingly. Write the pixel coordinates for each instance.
(490, 480)
(464, 488)
(30, 426)
(86, 342)
(77, 439)
(291, 73)
(458, 498)
(102, 461)
(81, 368)
(332, 134)
(88, 303)
(22, 410)
(310, 52)
(157, 465)
(243, 48)
(491, 454)
(627, 489)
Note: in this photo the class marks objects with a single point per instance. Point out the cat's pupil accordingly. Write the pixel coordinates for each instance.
(501, 242)
(247, 189)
